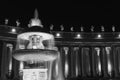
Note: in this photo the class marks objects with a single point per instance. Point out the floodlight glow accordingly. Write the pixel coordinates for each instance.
(119, 36)
(58, 35)
(99, 36)
(78, 36)
(13, 30)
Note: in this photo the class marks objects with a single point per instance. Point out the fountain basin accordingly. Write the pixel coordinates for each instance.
(35, 55)
(25, 36)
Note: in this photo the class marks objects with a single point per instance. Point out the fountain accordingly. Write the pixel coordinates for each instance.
(38, 56)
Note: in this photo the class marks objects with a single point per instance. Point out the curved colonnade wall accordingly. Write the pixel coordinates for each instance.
(86, 57)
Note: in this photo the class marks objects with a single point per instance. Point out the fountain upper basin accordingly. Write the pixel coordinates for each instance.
(26, 35)
(35, 54)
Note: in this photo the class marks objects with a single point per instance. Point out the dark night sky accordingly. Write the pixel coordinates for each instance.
(62, 12)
